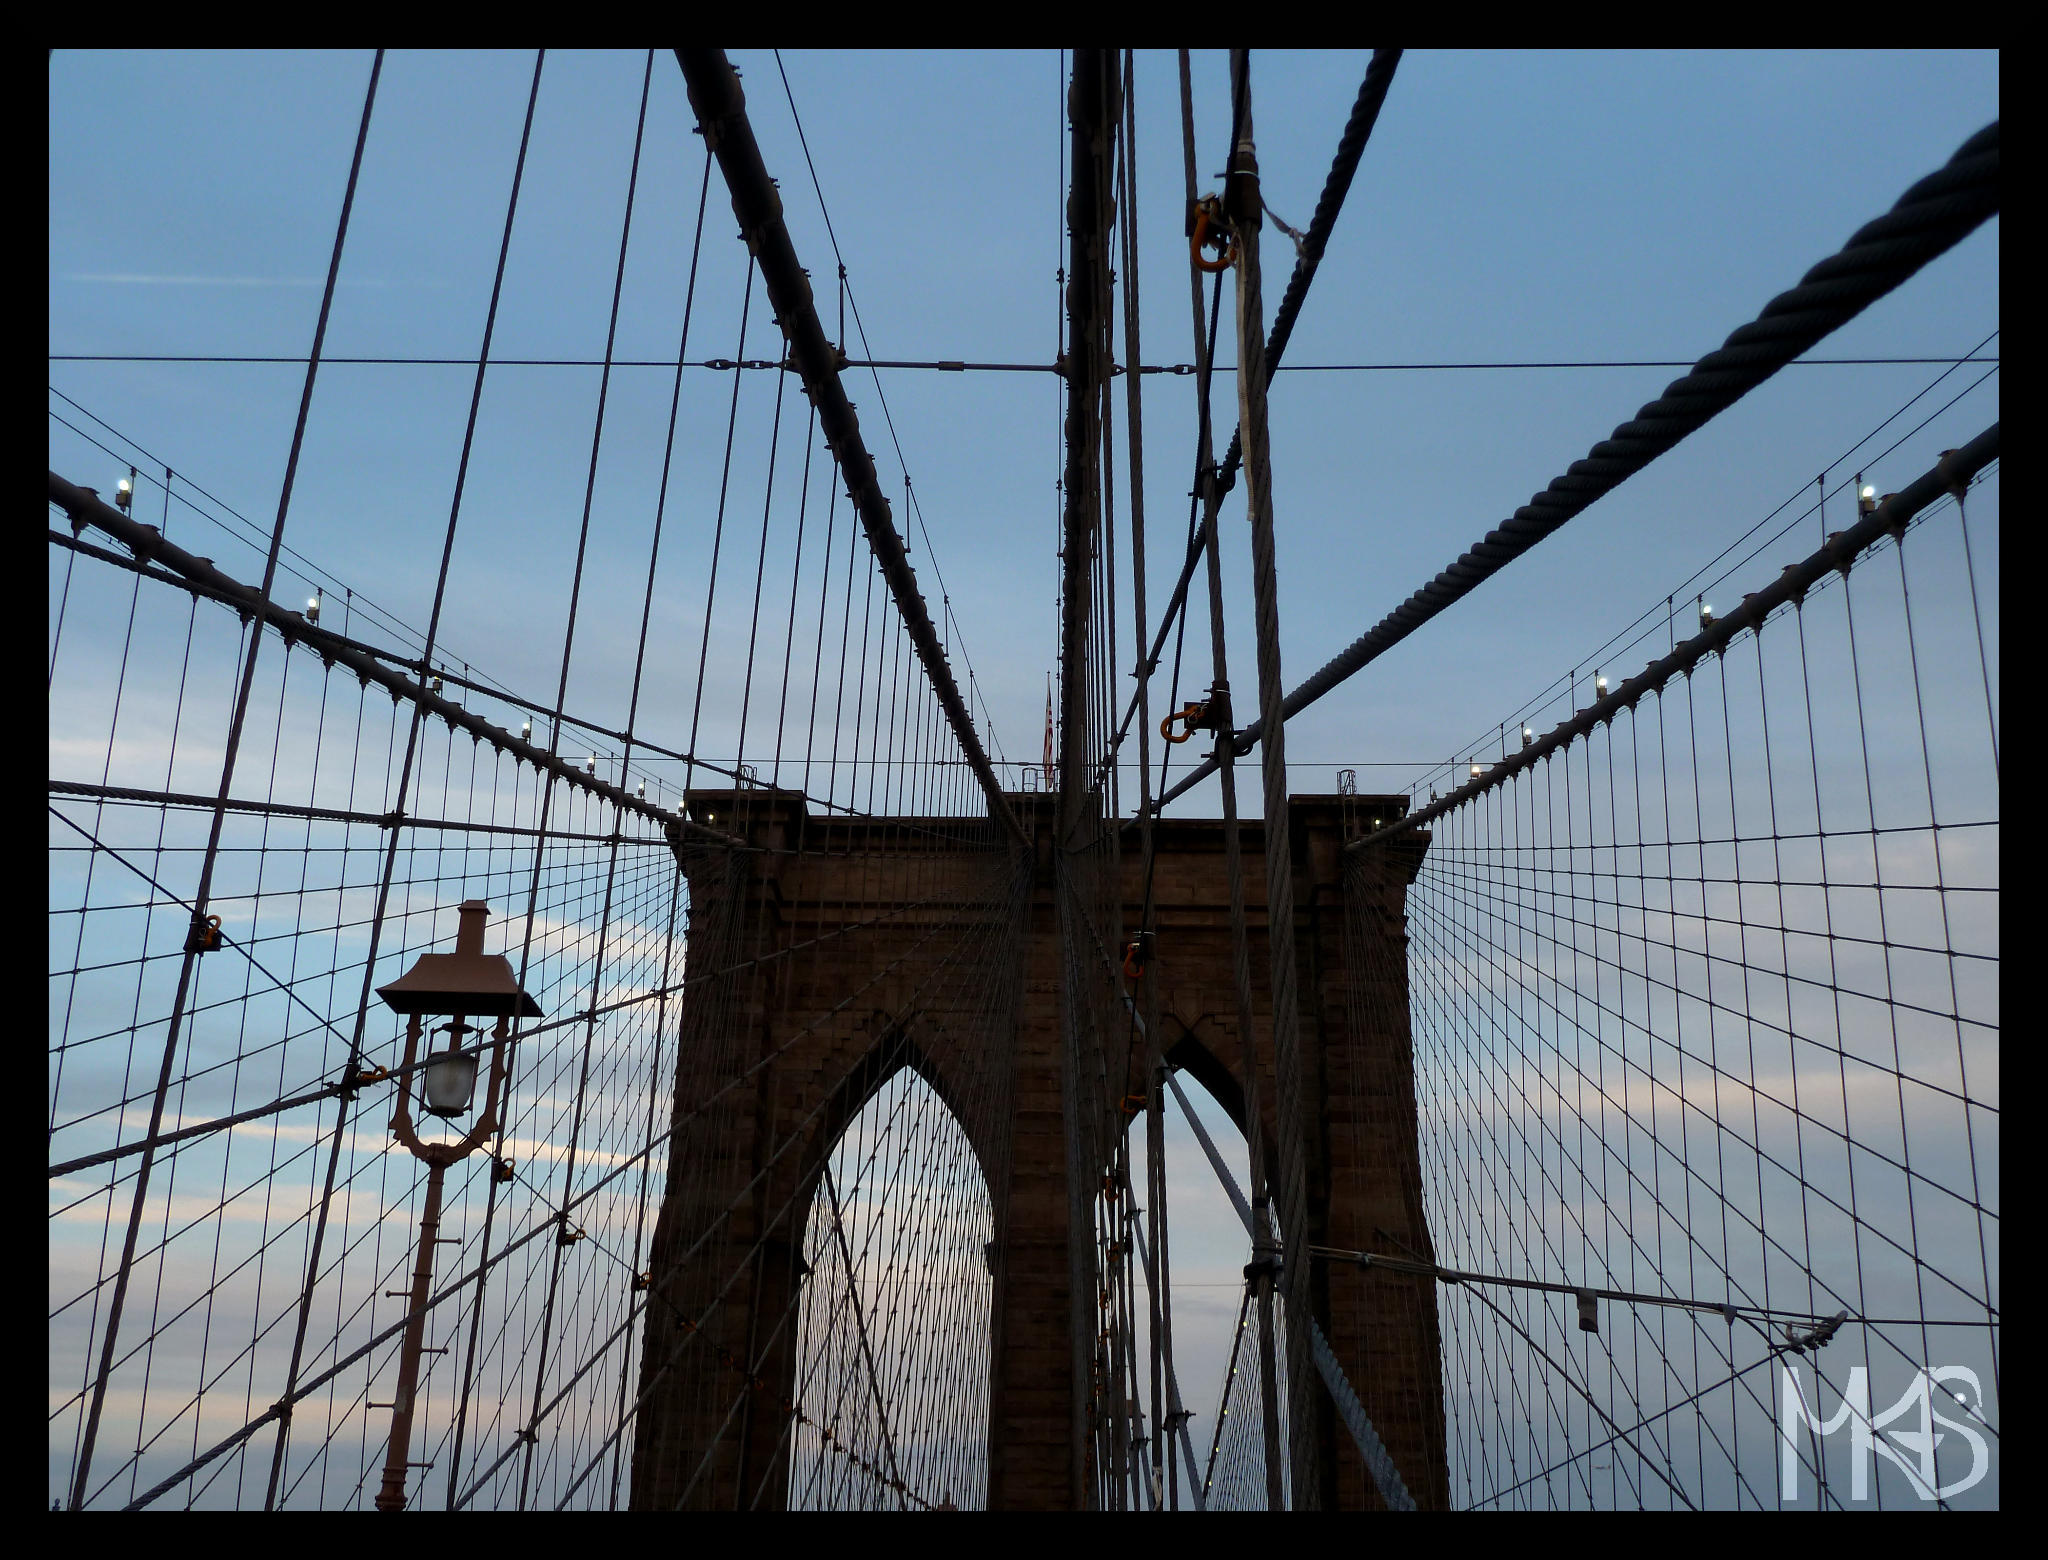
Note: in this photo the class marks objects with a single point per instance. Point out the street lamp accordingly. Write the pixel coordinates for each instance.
(455, 986)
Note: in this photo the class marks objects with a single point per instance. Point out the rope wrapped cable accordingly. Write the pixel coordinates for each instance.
(1252, 381)
(1948, 475)
(1365, 113)
(721, 109)
(85, 507)
(1928, 220)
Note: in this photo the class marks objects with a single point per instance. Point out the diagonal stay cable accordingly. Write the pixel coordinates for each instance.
(1379, 1463)
(1929, 219)
(82, 1474)
(1949, 474)
(720, 105)
(867, 1352)
(1365, 113)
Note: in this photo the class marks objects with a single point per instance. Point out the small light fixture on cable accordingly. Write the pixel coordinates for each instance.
(526, 731)
(1866, 497)
(312, 609)
(124, 492)
(590, 765)
(1476, 771)
(435, 687)
(1599, 685)
(640, 791)
(1528, 736)
(1706, 613)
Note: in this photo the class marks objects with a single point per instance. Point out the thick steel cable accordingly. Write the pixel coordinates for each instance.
(540, 850)
(82, 1478)
(1092, 125)
(1642, 627)
(283, 1407)
(1950, 473)
(1370, 1447)
(85, 507)
(1928, 220)
(721, 110)
(1159, 1298)
(1264, 1255)
(418, 719)
(1365, 113)
(1290, 1122)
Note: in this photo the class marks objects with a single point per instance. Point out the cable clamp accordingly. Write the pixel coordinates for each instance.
(1268, 1263)
(1209, 228)
(1191, 715)
(1800, 1338)
(1138, 951)
(1212, 714)
(205, 934)
(501, 1170)
(361, 1078)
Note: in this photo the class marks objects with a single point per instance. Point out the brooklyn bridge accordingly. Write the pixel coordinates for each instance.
(547, 1012)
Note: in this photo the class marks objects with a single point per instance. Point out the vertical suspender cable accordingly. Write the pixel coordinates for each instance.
(82, 1476)
(1242, 205)
(405, 772)
(1233, 860)
(1928, 220)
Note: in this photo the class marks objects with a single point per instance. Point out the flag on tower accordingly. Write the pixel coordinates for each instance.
(1048, 731)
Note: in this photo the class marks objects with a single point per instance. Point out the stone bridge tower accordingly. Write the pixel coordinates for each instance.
(825, 954)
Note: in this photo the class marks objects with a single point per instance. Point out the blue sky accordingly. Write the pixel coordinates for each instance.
(1511, 208)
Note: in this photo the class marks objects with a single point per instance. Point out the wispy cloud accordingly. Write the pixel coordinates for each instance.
(143, 279)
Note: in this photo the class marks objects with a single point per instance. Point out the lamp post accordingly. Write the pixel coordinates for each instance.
(456, 986)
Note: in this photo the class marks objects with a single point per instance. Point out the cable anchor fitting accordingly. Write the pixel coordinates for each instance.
(1803, 1338)
(1211, 714)
(1138, 951)
(205, 934)
(361, 1078)
(1209, 228)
